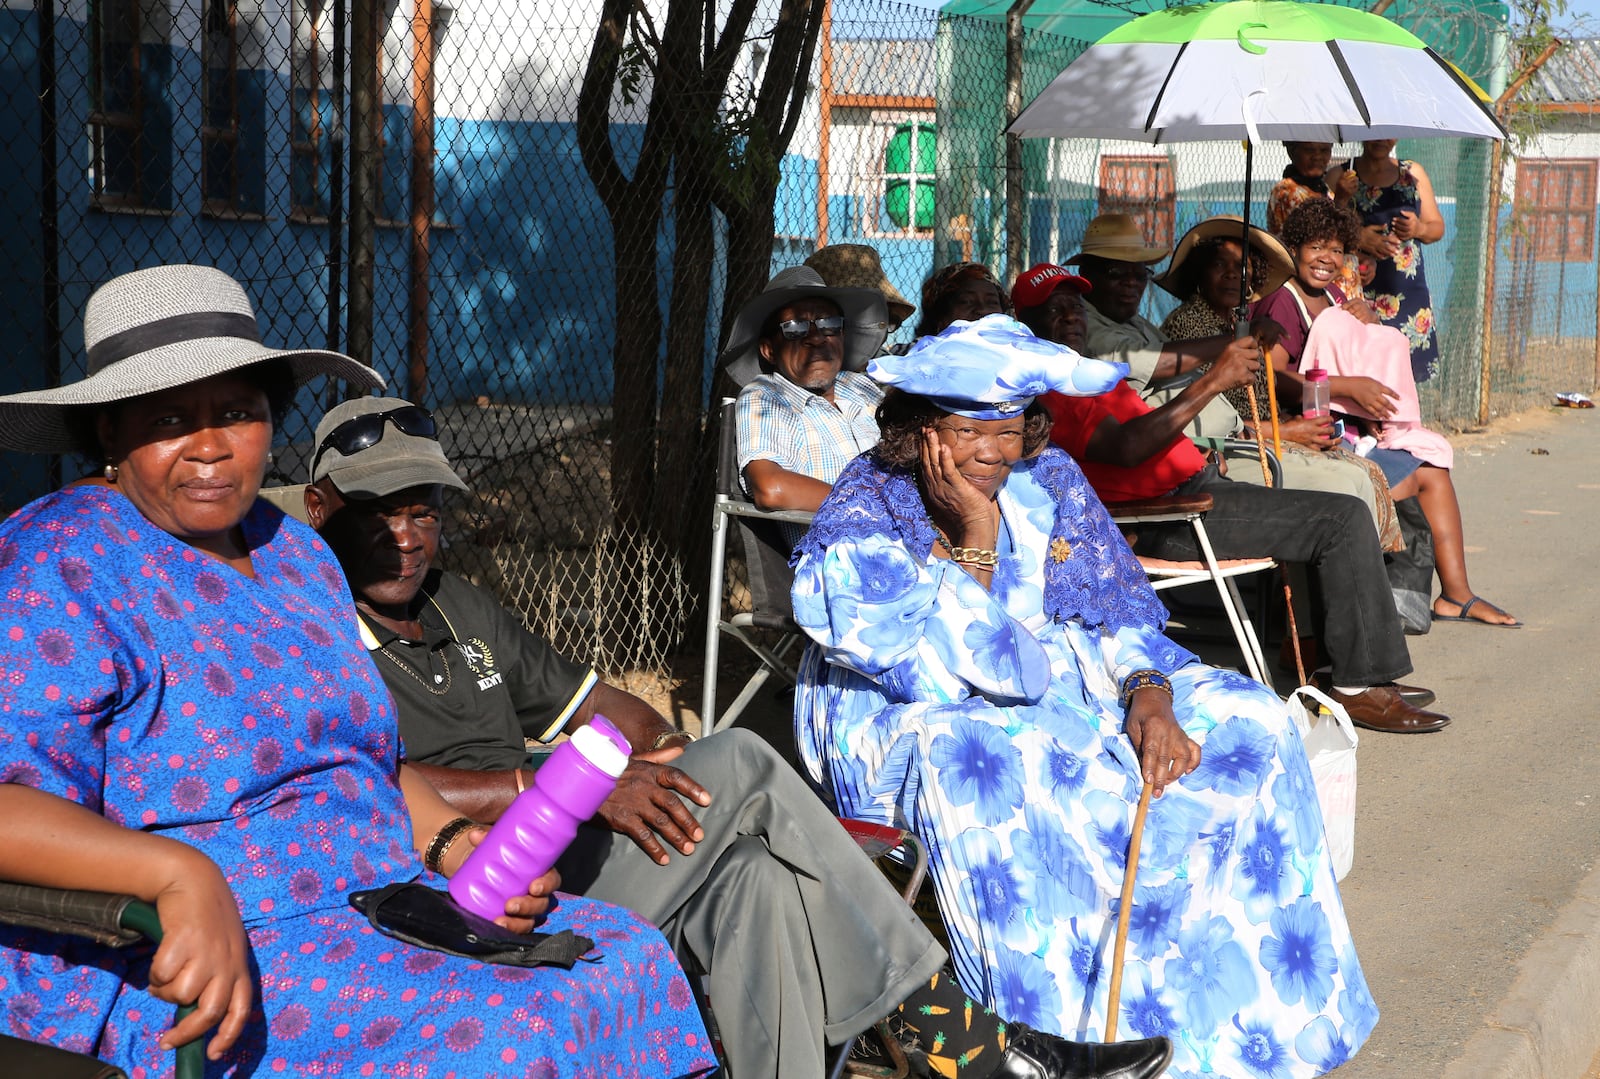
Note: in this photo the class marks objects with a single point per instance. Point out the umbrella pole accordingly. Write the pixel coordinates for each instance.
(1242, 328)
(1124, 910)
(1288, 600)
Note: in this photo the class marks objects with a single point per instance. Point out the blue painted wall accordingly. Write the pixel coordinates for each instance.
(521, 269)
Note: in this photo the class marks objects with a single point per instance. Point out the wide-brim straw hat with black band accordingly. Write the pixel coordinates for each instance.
(866, 320)
(154, 330)
(1280, 264)
(1117, 238)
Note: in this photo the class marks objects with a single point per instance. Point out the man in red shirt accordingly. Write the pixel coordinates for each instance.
(1130, 451)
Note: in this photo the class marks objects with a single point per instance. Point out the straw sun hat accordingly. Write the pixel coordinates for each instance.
(1117, 237)
(1279, 263)
(154, 330)
(858, 266)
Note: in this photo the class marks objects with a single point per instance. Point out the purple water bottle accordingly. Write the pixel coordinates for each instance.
(537, 827)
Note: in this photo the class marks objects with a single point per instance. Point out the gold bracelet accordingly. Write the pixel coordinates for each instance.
(665, 736)
(439, 846)
(975, 556)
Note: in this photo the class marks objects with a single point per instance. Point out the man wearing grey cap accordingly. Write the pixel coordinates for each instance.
(750, 876)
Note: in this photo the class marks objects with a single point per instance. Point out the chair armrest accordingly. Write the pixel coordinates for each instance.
(878, 840)
(1165, 508)
(1240, 448)
(112, 920)
(95, 915)
(736, 507)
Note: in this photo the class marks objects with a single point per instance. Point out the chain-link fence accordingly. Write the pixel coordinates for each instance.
(528, 216)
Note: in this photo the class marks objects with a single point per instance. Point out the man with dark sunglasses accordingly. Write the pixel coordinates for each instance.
(805, 410)
(749, 875)
(367, 429)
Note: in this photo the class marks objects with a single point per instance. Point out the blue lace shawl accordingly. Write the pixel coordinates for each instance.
(1099, 582)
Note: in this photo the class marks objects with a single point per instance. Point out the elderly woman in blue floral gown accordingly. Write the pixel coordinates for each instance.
(989, 667)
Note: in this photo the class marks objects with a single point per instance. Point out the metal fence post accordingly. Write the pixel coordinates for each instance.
(365, 117)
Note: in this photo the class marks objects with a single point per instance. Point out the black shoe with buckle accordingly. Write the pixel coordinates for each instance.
(1033, 1054)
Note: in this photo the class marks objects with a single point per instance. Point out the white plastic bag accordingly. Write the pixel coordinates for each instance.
(1330, 739)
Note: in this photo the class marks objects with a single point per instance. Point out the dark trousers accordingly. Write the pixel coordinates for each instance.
(1333, 535)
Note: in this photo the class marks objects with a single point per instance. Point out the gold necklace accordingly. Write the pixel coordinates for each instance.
(440, 686)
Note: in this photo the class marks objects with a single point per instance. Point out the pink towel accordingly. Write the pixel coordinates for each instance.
(1342, 344)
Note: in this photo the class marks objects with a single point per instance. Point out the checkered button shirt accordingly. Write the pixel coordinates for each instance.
(801, 431)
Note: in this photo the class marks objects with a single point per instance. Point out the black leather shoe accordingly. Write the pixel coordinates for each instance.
(1415, 696)
(1033, 1054)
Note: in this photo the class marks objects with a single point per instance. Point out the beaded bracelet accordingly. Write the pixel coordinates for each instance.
(1145, 679)
(439, 846)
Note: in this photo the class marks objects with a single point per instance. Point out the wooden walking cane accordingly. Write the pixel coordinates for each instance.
(1124, 910)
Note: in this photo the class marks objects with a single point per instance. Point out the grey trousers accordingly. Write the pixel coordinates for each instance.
(801, 937)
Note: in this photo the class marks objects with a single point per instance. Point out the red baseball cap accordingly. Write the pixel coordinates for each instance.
(1034, 286)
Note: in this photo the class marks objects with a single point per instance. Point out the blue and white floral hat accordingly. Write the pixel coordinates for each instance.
(992, 369)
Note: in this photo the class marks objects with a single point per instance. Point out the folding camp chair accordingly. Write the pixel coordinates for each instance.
(113, 920)
(1166, 575)
(770, 577)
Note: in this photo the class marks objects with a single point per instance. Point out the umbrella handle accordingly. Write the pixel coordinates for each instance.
(1124, 910)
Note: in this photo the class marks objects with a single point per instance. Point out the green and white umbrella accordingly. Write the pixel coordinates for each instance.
(1256, 69)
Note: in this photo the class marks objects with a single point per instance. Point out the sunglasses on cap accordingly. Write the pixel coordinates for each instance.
(796, 328)
(363, 432)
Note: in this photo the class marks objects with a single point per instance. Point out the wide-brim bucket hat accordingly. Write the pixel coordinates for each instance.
(1280, 264)
(153, 330)
(858, 266)
(1117, 238)
(866, 320)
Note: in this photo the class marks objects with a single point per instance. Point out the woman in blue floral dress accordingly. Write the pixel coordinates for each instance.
(989, 667)
(189, 715)
(1395, 202)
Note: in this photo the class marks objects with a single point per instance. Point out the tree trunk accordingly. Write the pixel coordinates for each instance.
(633, 362)
(681, 461)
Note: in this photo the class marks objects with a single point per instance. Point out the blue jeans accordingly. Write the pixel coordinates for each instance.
(1333, 535)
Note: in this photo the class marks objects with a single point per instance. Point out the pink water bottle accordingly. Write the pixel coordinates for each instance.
(537, 827)
(1315, 399)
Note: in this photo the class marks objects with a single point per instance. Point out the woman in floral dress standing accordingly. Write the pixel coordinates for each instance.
(1394, 199)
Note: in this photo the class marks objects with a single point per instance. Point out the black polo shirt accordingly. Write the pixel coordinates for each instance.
(478, 684)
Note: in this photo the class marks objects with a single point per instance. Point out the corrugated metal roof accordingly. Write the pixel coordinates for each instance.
(884, 67)
(1571, 76)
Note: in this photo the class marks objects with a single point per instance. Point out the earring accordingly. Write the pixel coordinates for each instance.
(272, 460)
(110, 472)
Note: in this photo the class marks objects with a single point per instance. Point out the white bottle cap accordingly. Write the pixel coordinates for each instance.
(600, 751)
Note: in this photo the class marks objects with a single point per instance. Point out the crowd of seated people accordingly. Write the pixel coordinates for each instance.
(191, 715)
(205, 710)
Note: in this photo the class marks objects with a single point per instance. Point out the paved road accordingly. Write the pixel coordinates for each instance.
(1472, 842)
